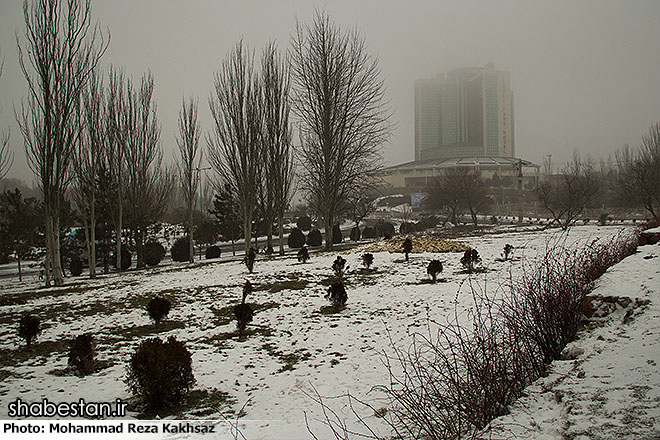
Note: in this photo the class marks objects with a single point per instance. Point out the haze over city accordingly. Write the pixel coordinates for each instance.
(584, 74)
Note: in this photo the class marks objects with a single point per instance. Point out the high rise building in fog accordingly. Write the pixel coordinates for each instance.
(467, 112)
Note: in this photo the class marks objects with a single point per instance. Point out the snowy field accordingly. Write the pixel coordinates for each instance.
(295, 344)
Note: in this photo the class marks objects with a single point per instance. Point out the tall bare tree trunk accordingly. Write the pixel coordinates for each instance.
(191, 258)
(92, 250)
(281, 232)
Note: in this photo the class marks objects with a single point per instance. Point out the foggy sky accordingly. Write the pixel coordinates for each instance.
(584, 73)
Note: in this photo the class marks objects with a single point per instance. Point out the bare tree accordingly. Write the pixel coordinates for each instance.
(338, 96)
(277, 137)
(149, 185)
(472, 191)
(566, 195)
(6, 155)
(445, 194)
(87, 160)
(360, 203)
(234, 145)
(114, 161)
(60, 50)
(638, 181)
(188, 142)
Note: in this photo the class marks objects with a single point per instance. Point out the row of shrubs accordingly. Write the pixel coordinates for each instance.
(314, 238)
(456, 377)
(159, 372)
(153, 255)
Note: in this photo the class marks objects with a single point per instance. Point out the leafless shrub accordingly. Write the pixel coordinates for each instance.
(458, 375)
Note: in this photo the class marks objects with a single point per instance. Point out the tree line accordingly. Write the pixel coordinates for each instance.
(631, 182)
(92, 134)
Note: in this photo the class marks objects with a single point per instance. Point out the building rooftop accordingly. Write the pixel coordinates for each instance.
(462, 161)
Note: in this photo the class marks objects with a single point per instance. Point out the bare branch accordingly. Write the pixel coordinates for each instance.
(339, 99)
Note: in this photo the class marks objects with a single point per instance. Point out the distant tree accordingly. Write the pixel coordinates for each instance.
(360, 204)
(638, 180)
(277, 187)
(338, 97)
(87, 160)
(149, 184)
(20, 221)
(444, 195)
(60, 49)
(235, 143)
(228, 216)
(6, 155)
(457, 189)
(189, 156)
(566, 196)
(473, 193)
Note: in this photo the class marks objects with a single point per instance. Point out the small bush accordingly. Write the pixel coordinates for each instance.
(249, 259)
(82, 352)
(153, 253)
(493, 220)
(158, 308)
(314, 238)
(367, 260)
(181, 249)
(407, 247)
(304, 223)
(434, 268)
(385, 230)
(337, 295)
(213, 252)
(296, 239)
(469, 259)
(355, 234)
(75, 266)
(126, 258)
(369, 232)
(603, 219)
(407, 228)
(426, 223)
(29, 328)
(160, 373)
(303, 254)
(508, 250)
(337, 236)
(243, 311)
(339, 266)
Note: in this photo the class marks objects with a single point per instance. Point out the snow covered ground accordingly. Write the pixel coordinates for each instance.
(610, 386)
(295, 345)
